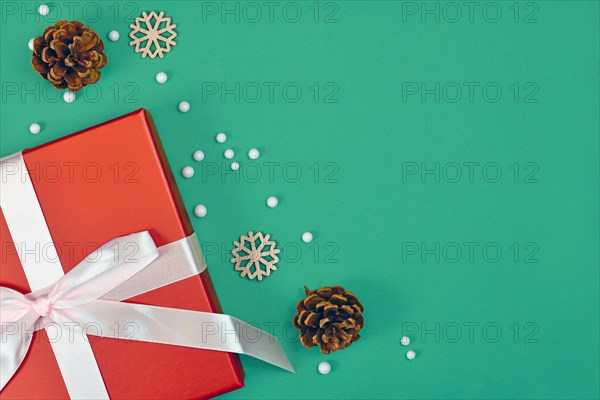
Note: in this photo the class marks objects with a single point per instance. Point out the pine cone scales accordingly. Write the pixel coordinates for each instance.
(330, 318)
(69, 55)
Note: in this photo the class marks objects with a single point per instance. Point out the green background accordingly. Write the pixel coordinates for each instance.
(364, 132)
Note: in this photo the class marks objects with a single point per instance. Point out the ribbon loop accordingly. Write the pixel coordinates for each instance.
(13, 306)
(104, 270)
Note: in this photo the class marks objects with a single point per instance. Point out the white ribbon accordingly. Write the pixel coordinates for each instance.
(27, 225)
(91, 293)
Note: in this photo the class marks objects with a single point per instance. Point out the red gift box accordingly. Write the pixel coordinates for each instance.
(95, 185)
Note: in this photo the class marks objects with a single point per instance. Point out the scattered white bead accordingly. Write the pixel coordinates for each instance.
(272, 201)
(221, 137)
(187, 172)
(324, 368)
(307, 237)
(30, 44)
(228, 154)
(161, 77)
(69, 96)
(35, 128)
(411, 355)
(199, 155)
(200, 211)
(253, 154)
(405, 340)
(235, 165)
(43, 9)
(184, 106)
(113, 36)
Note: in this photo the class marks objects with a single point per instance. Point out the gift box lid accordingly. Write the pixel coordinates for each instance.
(95, 185)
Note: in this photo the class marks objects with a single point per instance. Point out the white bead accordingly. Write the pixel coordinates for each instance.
(184, 106)
(35, 128)
(113, 36)
(199, 155)
(253, 154)
(405, 340)
(411, 355)
(272, 201)
(69, 96)
(307, 237)
(228, 154)
(187, 172)
(221, 137)
(43, 9)
(161, 77)
(200, 210)
(235, 165)
(324, 368)
(30, 44)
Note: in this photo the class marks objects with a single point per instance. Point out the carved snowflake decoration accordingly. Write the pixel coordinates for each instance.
(150, 32)
(252, 253)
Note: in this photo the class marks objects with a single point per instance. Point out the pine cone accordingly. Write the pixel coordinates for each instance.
(330, 318)
(69, 55)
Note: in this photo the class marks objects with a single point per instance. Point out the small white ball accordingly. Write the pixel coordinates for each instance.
(30, 44)
(187, 172)
(113, 36)
(184, 106)
(324, 368)
(35, 128)
(405, 340)
(221, 137)
(253, 154)
(235, 165)
(43, 9)
(307, 237)
(228, 154)
(410, 355)
(272, 201)
(69, 96)
(199, 155)
(200, 211)
(161, 77)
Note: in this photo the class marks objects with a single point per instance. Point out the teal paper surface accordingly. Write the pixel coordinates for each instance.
(444, 154)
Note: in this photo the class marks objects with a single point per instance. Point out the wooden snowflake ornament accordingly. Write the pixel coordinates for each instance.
(252, 253)
(152, 34)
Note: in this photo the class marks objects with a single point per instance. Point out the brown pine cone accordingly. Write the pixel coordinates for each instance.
(69, 55)
(330, 318)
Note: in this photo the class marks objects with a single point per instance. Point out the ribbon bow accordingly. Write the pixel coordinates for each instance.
(77, 299)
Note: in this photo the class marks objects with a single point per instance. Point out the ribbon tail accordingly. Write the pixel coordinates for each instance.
(16, 341)
(268, 350)
(200, 330)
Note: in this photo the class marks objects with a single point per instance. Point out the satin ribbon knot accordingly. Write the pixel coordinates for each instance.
(42, 305)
